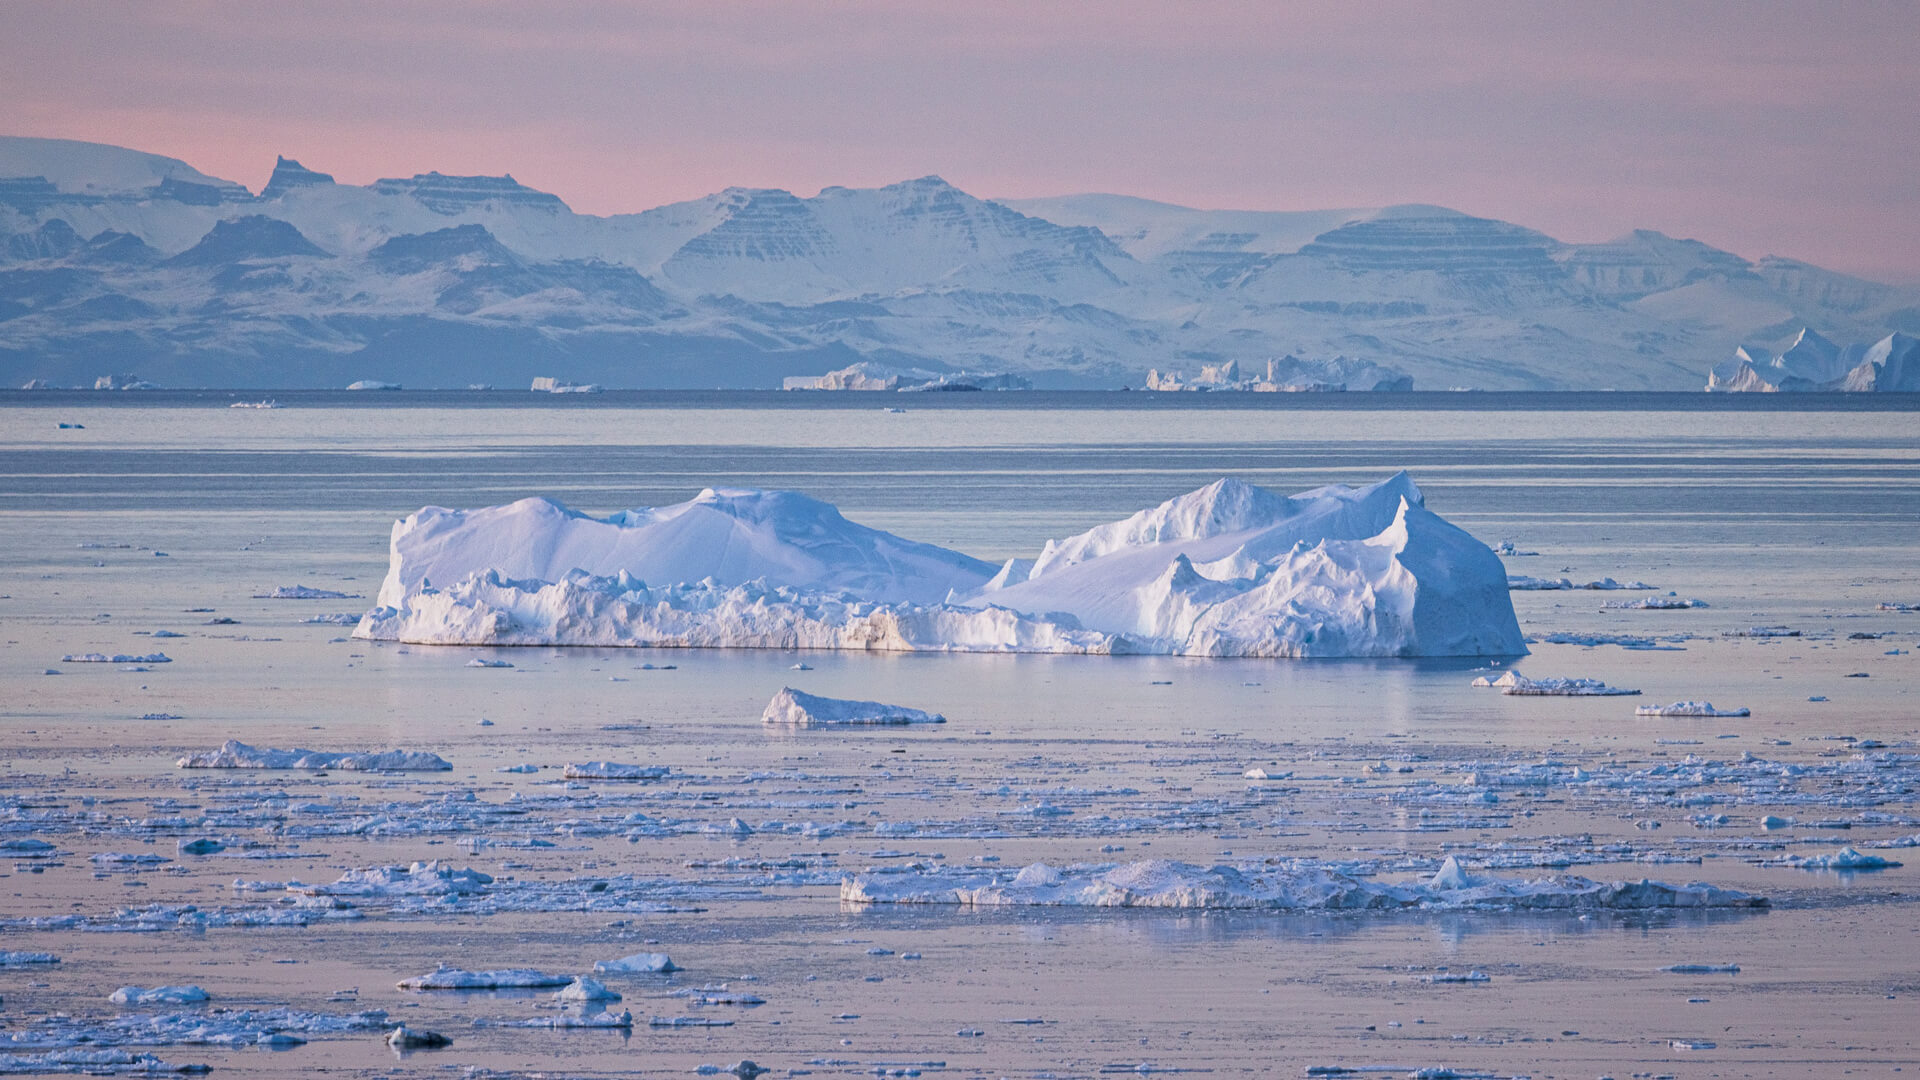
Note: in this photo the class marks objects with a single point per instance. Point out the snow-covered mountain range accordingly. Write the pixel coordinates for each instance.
(114, 260)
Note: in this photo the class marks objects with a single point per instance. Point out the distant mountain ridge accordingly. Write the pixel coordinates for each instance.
(116, 260)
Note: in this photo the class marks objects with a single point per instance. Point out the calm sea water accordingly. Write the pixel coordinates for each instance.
(1774, 510)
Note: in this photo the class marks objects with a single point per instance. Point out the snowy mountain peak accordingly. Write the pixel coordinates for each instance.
(252, 237)
(289, 174)
(453, 194)
(99, 170)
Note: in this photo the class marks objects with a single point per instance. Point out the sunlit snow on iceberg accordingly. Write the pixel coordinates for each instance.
(1228, 570)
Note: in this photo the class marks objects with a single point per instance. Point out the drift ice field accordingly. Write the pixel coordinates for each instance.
(1058, 738)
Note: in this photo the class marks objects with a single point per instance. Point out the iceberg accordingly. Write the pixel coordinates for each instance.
(646, 963)
(448, 978)
(613, 770)
(234, 754)
(159, 995)
(1273, 885)
(1689, 708)
(1516, 684)
(1229, 570)
(301, 592)
(801, 709)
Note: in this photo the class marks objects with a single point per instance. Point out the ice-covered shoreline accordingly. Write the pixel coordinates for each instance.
(1228, 570)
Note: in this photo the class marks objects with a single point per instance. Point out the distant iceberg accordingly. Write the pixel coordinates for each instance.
(867, 375)
(1286, 374)
(1228, 570)
(1812, 362)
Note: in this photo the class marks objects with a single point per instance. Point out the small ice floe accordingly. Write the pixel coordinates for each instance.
(234, 754)
(1893, 606)
(1272, 885)
(1654, 603)
(267, 404)
(1511, 549)
(583, 989)
(340, 618)
(204, 845)
(116, 658)
(687, 1021)
(303, 592)
(613, 770)
(406, 1038)
(95, 1062)
(646, 963)
(1689, 708)
(1702, 969)
(1458, 977)
(483, 663)
(21, 959)
(166, 634)
(1635, 642)
(521, 768)
(124, 859)
(1516, 684)
(434, 878)
(26, 847)
(801, 667)
(1844, 859)
(1693, 1044)
(1521, 582)
(159, 995)
(451, 978)
(606, 1018)
(800, 709)
(720, 995)
(1764, 632)
(1259, 775)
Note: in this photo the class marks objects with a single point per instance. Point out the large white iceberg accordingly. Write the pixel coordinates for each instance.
(1228, 570)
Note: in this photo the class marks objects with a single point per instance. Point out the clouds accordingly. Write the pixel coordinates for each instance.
(1776, 128)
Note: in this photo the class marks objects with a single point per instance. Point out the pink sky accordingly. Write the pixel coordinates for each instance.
(1769, 128)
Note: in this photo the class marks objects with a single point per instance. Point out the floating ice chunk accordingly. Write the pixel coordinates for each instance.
(1514, 683)
(1458, 977)
(583, 989)
(95, 1062)
(234, 754)
(1689, 708)
(205, 845)
(406, 1038)
(1521, 582)
(159, 995)
(26, 847)
(372, 384)
(1258, 774)
(522, 768)
(687, 1021)
(116, 658)
(1278, 885)
(1693, 1044)
(1228, 570)
(801, 709)
(302, 592)
(1891, 606)
(166, 634)
(1764, 632)
(433, 878)
(1703, 969)
(613, 770)
(606, 1018)
(1654, 603)
(1844, 859)
(480, 663)
(450, 978)
(19, 959)
(646, 963)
